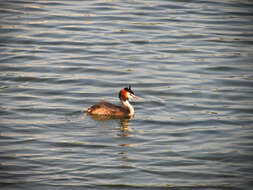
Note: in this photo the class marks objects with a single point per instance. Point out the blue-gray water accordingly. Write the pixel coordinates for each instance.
(190, 61)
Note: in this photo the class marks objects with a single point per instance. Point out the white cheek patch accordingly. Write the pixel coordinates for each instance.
(128, 95)
(131, 95)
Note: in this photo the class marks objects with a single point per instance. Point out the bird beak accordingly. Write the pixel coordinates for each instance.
(135, 97)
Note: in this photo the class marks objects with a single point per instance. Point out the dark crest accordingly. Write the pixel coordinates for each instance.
(129, 89)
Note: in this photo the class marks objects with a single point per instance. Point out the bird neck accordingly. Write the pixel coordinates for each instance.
(127, 105)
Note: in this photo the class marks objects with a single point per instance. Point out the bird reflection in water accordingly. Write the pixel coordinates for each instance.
(124, 122)
(125, 131)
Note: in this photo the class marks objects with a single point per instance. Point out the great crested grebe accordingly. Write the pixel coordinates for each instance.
(106, 108)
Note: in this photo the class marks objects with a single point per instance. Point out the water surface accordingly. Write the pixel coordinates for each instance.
(190, 61)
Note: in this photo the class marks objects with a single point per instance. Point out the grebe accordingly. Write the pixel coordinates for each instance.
(106, 108)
